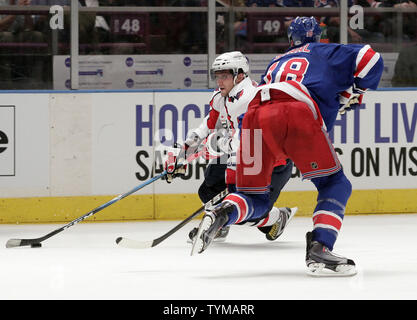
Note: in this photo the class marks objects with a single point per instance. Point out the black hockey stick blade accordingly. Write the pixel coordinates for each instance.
(137, 244)
(13, 243)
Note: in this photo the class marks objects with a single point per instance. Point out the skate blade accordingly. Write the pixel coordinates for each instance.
(198, 244)
(319, 270)
(293, 212)
(215, 240)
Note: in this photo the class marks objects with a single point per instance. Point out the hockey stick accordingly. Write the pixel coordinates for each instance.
(35, 242)
(136, 244)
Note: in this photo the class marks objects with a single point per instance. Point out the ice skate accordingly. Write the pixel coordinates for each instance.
(321, 261)
(273, 232)
(220, 236)
(209, 227)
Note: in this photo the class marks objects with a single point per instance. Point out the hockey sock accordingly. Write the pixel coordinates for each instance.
(270, 219)
(247, 206)
(334, 192)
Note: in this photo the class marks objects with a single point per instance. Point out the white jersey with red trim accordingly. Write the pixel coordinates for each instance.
(327, 70)
(224, 112)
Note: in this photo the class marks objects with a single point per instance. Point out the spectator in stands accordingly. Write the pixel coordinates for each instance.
(389, 22)
(6, 37)
(196, 31)
(387, 3)
(134, 3)
(405, 72)
(371, 31)
(6, 24)
(333, 22)
(241, 25)
(263, 3)
(297, 4)
(157, 39)
(398, 3)
(377, 27)
(86, 22)
(102, 29)
(23, 69)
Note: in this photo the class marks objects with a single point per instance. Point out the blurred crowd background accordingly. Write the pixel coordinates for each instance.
(28, 44)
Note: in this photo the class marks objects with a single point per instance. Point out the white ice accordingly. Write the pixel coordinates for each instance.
(83, 262)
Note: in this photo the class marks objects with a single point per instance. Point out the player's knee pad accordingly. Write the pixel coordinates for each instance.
(334, 192)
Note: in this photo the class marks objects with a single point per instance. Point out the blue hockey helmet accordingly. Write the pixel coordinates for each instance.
(303, 30)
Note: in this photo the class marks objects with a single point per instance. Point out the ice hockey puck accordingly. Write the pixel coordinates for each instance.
(36, 245)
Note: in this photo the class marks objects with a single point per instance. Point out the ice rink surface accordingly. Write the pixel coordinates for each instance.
(83, 262)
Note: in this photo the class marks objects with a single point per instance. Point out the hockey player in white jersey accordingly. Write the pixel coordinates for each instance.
(235, 90)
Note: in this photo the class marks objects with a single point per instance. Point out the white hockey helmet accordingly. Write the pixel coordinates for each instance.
(234, 61)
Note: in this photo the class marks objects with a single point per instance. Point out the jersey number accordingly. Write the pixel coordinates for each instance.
(293, 69)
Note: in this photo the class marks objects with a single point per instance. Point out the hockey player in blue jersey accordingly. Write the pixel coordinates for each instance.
(301, 93)
(336, 75)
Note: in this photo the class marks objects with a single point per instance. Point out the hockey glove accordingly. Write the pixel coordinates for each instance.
(191, 145)
(216, 144)
(175, 165)
(350, 99)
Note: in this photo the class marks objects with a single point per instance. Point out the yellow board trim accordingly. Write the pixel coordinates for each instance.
(66, 209)
(180, 206)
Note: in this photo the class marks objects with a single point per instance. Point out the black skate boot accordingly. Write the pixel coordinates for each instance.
(319, 258)
(209, 226)
(220, 236)
(273, 232)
